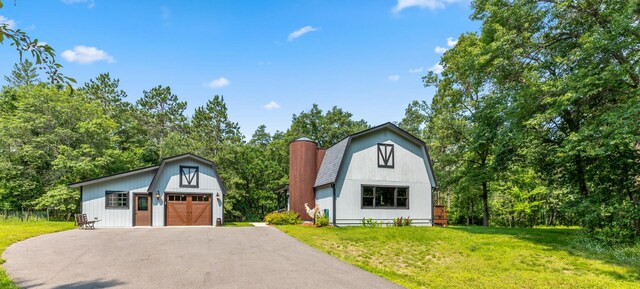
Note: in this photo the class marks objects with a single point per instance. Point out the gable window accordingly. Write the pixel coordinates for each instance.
(189, 177)
(117, 200)
(385, 197)
(386, 158)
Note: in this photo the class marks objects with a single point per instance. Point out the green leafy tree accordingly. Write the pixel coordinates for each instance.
(44, 55)
(161, 112)
(326, 129)
(572, 70)
(211, 128)
(24, 73)
(262, 171)
(61, 199)
(53, 137)
(107, 91)
(467, 118)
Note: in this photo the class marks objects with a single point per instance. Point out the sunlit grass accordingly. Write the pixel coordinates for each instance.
(477, 257)
(14, 231)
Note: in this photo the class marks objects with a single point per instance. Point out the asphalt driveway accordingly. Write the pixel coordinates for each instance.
(203, 257)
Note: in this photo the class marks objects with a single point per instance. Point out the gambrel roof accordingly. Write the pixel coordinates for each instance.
(335, 155)
(157, 169)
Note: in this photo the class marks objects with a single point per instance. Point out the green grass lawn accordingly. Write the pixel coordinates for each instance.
(237, 224)
(476, 257)
(14, 231)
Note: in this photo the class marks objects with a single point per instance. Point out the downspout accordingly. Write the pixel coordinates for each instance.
(221, 211)
(81, 199)
(333, 187)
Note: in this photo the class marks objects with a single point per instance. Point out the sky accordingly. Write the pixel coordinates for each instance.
(269, 59)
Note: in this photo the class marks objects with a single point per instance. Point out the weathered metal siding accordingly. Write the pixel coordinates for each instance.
(169, 181)
(302, 176)
(360, 167)
(93, 199)
(324, 198)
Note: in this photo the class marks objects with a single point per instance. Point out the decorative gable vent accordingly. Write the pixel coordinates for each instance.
(386, 158)
(189, 177)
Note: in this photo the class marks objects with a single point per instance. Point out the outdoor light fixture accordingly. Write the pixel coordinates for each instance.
(217, 195)
(157, 195)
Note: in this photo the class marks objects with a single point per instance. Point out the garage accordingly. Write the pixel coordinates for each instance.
(188, 210)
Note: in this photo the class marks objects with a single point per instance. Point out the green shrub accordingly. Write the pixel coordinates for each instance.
(371, 223)
(322, 221)
(402, 222)
(282, 218)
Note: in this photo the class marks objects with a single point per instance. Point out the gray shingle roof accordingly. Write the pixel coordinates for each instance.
(331, 163)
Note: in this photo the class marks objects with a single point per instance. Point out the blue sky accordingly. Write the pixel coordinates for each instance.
(270, 59)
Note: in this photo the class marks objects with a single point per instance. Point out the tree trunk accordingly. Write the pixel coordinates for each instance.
(485, 205)
(636, 222)
(582, 183)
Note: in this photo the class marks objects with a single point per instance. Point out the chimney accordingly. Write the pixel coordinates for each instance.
(304, 162)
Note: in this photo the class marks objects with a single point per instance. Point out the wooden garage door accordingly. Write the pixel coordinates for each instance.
(187, 210)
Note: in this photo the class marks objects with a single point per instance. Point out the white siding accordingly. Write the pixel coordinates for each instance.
(360, 167)
(169, 181)
(324, 198)
(93, 199)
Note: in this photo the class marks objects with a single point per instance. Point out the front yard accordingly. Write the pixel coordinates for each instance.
(14, 231)
(476, 257)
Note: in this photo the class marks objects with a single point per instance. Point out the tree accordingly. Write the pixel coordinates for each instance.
(543, 105)
(262, 171)
(107, 92)
(161, 113)
(326, 129)
(59, 198)
(24, 73)
(54, 137)
(44, 55)
(211, 128)
(466, 117)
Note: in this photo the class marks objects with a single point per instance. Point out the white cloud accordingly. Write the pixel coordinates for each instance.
(90, 3)
(11, 24)
(394, 77)
(86, 54)
(440, 50)
(451, 42)
(218, 83)
(416, 70)
(436, 68)
(302, 31)
(272, 105)
(422, 4)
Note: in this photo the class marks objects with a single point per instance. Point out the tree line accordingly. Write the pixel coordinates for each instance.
(52, 135)
(535, 121)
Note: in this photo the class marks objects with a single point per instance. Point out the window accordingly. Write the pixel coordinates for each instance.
(143, 203)
(367, 196)
(199, 198)
(177, 198)
(117, 200)
(386, 158)
(189, 177)
(383, 197)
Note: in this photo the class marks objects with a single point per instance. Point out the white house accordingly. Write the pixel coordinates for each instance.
(380, 173)
(182, 190)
